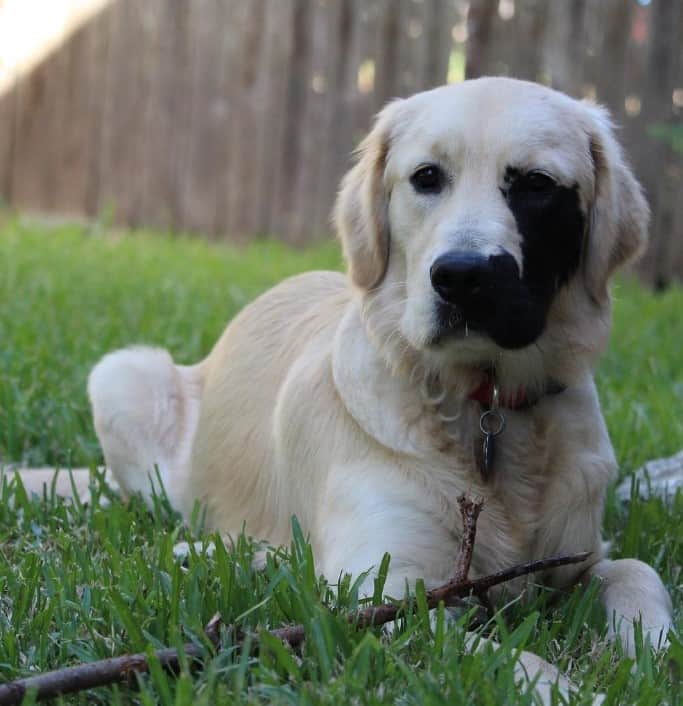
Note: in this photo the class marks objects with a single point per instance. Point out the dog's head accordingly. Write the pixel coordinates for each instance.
(483, 221)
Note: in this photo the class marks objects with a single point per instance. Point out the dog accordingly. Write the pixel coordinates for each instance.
(481, 224)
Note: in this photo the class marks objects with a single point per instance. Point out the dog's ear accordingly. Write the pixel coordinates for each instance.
(619, 214)
(361, 212)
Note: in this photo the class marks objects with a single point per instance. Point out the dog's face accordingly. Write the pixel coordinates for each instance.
(480, 214)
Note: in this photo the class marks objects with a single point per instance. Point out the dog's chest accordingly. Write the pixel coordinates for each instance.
(513, 488)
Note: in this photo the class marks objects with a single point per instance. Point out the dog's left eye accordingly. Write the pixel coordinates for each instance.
(538, 182)
(429, 179)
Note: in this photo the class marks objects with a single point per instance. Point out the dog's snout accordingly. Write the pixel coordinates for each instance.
(459, 275)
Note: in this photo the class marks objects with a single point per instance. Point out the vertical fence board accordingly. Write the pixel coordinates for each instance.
(72, 127)
(207, 117)
(31, 149)
(96, 74)
(564, 45)
(307, 178)
(297, 88)
(122, 136)
(331, 17)
(387, 77)
(276, 175)
(438, 35)
(339, 136)
(269, 108)
(8, 125)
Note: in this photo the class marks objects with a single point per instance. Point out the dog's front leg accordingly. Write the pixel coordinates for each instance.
(530, 668)
(369, 510)
(368, 513)
(632, 591)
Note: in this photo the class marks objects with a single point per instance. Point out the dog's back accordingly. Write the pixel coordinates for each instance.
(234, 456)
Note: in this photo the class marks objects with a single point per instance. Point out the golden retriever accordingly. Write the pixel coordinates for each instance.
(481, 224)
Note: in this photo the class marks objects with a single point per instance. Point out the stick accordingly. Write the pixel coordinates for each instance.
(104, 671)
(212, 629)
(120, 669)
(452, 590)
(469, 510)
(374, 616)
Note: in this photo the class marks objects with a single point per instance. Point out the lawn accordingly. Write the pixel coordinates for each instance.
(82, 583)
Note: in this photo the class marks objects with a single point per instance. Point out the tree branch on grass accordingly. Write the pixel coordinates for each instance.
(123, 669)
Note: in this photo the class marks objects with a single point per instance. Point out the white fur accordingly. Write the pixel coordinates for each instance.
(145, 410)
(323, 398)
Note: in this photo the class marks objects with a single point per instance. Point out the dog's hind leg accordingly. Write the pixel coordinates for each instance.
(63, 482)
(145, 410)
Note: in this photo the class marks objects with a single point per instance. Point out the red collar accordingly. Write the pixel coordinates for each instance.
(519, 400)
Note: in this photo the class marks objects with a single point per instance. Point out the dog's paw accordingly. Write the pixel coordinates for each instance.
(112, 487)
(183, 550)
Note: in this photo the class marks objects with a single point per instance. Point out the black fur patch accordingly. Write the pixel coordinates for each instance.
(503, 307)
(512, 310)
(552, 226)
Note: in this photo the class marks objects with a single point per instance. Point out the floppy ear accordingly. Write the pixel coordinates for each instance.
(361, 211)
(619, 214)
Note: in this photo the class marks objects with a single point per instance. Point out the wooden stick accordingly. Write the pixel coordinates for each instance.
(374, 616)
(104, 671)
(469, 511)
(121, 669)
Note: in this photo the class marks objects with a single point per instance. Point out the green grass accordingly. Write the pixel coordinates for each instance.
(81, 583)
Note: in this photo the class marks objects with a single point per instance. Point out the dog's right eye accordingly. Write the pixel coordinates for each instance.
(429, 179)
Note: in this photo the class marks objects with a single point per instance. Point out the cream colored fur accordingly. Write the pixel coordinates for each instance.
(323, 399)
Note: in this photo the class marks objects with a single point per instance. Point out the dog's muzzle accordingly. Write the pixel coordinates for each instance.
(485, 294)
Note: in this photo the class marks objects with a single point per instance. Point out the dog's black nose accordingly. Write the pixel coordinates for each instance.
(457, 276)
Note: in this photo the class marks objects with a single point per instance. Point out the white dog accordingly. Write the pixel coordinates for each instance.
(481, 224)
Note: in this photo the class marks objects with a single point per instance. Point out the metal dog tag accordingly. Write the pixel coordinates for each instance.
(489, 449)
(491, 423)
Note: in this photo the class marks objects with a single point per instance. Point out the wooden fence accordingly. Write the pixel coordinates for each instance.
(221, 116)
(237, 117)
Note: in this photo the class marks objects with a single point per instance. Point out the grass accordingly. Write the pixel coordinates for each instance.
(82, 583)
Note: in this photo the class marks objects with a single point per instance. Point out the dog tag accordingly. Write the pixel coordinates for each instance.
(491, 423)
(489, 453)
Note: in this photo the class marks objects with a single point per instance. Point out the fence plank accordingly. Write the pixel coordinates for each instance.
(297, 88)
(274, 179)
(72, 130)
(438, 34)
(207, 115)
(32, 150)
(96, 74)
(387, 77)
(122, 135)
(8, 126)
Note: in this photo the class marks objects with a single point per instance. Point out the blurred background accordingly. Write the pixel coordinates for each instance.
(236, 118)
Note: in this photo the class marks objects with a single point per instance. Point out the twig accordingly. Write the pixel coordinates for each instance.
(374, 616)
(120, 669)
(213, 628)
(92, 674)
(105, 671)
(452, 590)
(469, 510)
